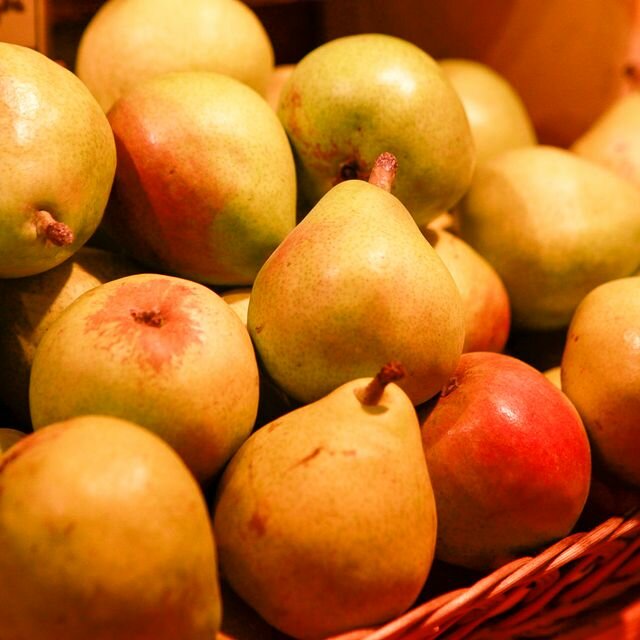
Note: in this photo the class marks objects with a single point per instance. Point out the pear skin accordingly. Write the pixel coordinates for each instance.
(205, 186)
(554, 226)
(354, 97)
(356, 546)
(164, 352)
(104, 534)
(31, 304)
(58, 162)
(356, 284)
(600, 373)
(130, 41)
(613, 140)
(497, 115)
(486, 303)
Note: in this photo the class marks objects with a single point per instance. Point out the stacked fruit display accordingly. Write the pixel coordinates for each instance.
(269, 347)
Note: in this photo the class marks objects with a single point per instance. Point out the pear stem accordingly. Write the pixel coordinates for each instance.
(47, 227)
(384, 171)
(371, 394)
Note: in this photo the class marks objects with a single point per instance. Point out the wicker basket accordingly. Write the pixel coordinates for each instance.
(587, 585)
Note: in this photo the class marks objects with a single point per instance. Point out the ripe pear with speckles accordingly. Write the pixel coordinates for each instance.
(356, 546)
(58, 162)
(356, 96)
(164, 352)
(355, 284)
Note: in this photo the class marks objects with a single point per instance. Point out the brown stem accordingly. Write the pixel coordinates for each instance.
(47, 227)
(384, 171)
(152, 317)
(371, 394)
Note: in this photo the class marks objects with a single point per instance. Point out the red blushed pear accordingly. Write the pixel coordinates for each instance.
(58, 162)
(205, 184)
(509, 460)
(164, 352)
(31, 304)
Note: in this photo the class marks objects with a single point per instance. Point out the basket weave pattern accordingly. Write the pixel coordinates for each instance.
(532, 597)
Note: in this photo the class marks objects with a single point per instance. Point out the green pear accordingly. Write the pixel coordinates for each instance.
(58, 162)
(554, 226)
(205, 186)
(31, 304)
(129, 41)
(104, 534)
(356, 284)
(600, 373)
(164, 352)
(354, 97)
(613, 140)
(497, 115)
(355, 547)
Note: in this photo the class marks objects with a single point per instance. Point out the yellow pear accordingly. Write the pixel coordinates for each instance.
(600, 373)
(356, 284)
(129, 41)
(355, 547)
(485, 300)
(31, 304)
(613, 140)
(554, 226)
(104, 534)
(497, 115)
(164, 352)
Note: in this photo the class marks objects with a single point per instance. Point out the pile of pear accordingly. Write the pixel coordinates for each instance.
(255, 327)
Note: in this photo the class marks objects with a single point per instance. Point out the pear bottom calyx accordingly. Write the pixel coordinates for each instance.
(371, 394)
(47, 227)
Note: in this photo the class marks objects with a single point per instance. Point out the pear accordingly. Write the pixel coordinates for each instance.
(613, 139)
(356, 284)
(554, 226)
(354, 97)
(58, 162)
(600, 373)
(238, 300)
(31, 304)
(104, 534)
(277, 80)
(553, 374)
(130, 41)
(164, 352)
(205, 186)
(497, 115)
(356, 546)
(485, 301)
